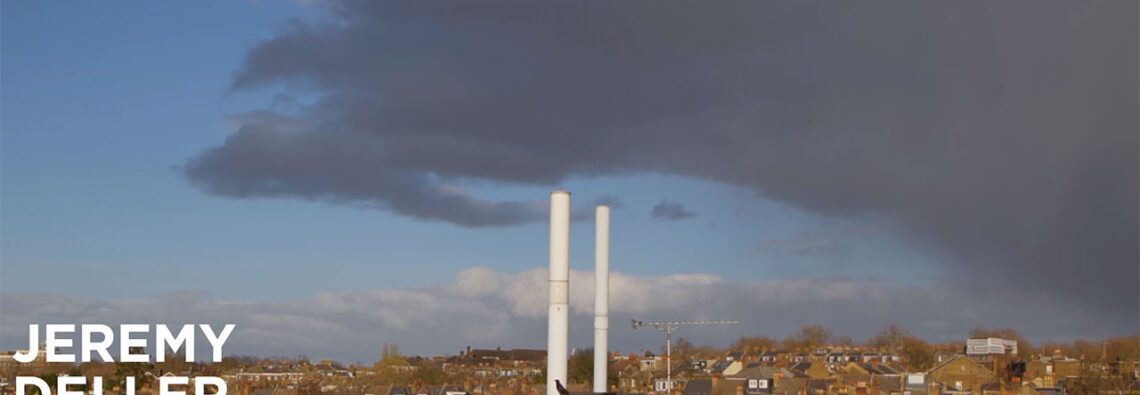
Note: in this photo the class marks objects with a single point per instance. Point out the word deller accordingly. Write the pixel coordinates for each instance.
(130, 336)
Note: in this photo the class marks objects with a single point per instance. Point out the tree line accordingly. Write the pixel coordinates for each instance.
(917, 352)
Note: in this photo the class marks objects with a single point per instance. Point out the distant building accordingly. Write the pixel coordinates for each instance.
(769, 356)
(8, 361)
(990, 346)
(728, 366)
(498, 356)
(758, 379)
(960, 374)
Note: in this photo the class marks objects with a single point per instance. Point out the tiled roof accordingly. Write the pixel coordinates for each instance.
(396, 390)
(756, 372)
(698, 387)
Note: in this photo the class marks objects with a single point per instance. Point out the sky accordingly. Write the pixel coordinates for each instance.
(335, 175)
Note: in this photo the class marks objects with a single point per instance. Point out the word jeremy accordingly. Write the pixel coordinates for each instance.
(98, 339)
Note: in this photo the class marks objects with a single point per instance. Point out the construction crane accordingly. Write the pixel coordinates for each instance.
(668, 327)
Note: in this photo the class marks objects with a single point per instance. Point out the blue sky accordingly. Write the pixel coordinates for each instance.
(102, 104)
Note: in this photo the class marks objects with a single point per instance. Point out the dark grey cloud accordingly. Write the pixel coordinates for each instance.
(1002, 133)
(265, 158)
(612, 202)
(669, 210)
(586, 213)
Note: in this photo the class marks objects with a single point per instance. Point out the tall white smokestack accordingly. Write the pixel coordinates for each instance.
(601, 296)
(558, 323)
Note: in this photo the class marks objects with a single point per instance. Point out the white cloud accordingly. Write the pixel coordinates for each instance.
(484, 307)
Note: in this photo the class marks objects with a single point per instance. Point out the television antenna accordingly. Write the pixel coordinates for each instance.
(668, 327)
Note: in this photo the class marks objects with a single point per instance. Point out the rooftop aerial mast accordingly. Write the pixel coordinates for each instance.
(668, 327)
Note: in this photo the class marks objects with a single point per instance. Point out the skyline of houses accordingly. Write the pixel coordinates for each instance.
(827, 369)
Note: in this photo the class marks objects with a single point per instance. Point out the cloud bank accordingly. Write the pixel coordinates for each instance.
(1003, 134)
(486, 308)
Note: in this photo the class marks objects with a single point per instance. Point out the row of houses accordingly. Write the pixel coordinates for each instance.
(277, 372)
(735, 361)
(821, 371)
(960, 374)
(829, 356)
(498, 363)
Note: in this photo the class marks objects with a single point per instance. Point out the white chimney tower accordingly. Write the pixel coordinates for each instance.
(601, 296)
(558, 322)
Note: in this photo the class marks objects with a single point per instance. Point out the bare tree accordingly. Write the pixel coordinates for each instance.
(753, 344)
(917, 352)
(890, 338)
(809, 337)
